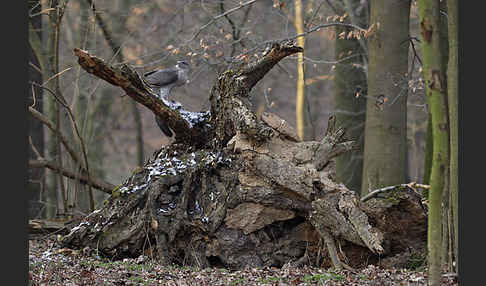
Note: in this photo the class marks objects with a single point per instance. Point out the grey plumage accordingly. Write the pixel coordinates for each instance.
(165, 80)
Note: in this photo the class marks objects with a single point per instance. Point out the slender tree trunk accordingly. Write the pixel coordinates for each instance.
(36, 130)
(385, 147)
(51, 109)
(350, 101)
(82, 108)
(447, 231)
(437, 101)
(304, 126)
(453, 98)
(115, 45)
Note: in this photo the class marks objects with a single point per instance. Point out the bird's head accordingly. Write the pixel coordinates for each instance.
(183, 65)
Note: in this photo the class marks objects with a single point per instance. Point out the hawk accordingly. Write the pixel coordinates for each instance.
(165, 80)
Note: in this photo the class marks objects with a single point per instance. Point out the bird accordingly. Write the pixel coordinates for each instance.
(165, 80)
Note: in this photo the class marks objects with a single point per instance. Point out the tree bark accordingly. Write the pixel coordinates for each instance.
(385, 146)
(51, 108)
(453, 104)
(241, 190)
(303, 118)
(350, 88)
(429, 19)
(35, 99)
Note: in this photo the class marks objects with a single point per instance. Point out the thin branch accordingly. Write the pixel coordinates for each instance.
(415, 54)
(63, 139)
(214, 19)
(91, 181)
(314, 29)
(33, 97)
(332, 7)
(35, 67)
(411, 186)
(33, 148)
(332, 62)
(114, 45)
(243, 21)
(116, 49)
(56, 75)
(309, 22)
(75, 127)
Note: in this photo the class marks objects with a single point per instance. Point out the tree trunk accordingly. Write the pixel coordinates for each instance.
(437, 101)
(385, 147)
(115, 45)
(35, 99)
(453, 104)
(237, 190)
(51, 109)
(447, 231)
(350, 88)
(429, 145)
(302, 111)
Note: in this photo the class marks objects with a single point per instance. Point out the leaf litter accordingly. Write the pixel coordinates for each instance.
(52, 264)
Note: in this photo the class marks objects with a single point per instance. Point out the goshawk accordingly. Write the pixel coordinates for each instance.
(164, 81)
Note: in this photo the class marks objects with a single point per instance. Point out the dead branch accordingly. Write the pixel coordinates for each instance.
(60, 98)
(217, 17)
(63, 138)
(412, 186)
(125, 77)
(90, 181)
(115, 46)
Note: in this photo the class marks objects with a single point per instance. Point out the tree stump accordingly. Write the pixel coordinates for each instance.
(239, 190)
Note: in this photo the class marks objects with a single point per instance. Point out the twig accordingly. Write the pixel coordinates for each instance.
(35, 67)
(116, 49)
(33, 148)
(314, 29)
(332, 7)
(236, 31)
(411, 185)
(75, 126)
(91, 181)
(56, 75)
(33, 96)
(217, 17)
(415, 54)
(63, 139)
(309, 22)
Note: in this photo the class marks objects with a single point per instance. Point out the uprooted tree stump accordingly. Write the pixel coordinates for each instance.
(236, 189)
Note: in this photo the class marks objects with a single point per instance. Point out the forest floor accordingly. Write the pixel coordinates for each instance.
(51, 264)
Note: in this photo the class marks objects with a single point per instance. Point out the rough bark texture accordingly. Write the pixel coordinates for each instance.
(251, 194)
(385, 145)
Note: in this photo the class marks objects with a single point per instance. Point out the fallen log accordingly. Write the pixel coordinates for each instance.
(239, 190)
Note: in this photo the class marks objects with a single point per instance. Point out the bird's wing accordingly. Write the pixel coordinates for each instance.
(162, 77)
(163, 126)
